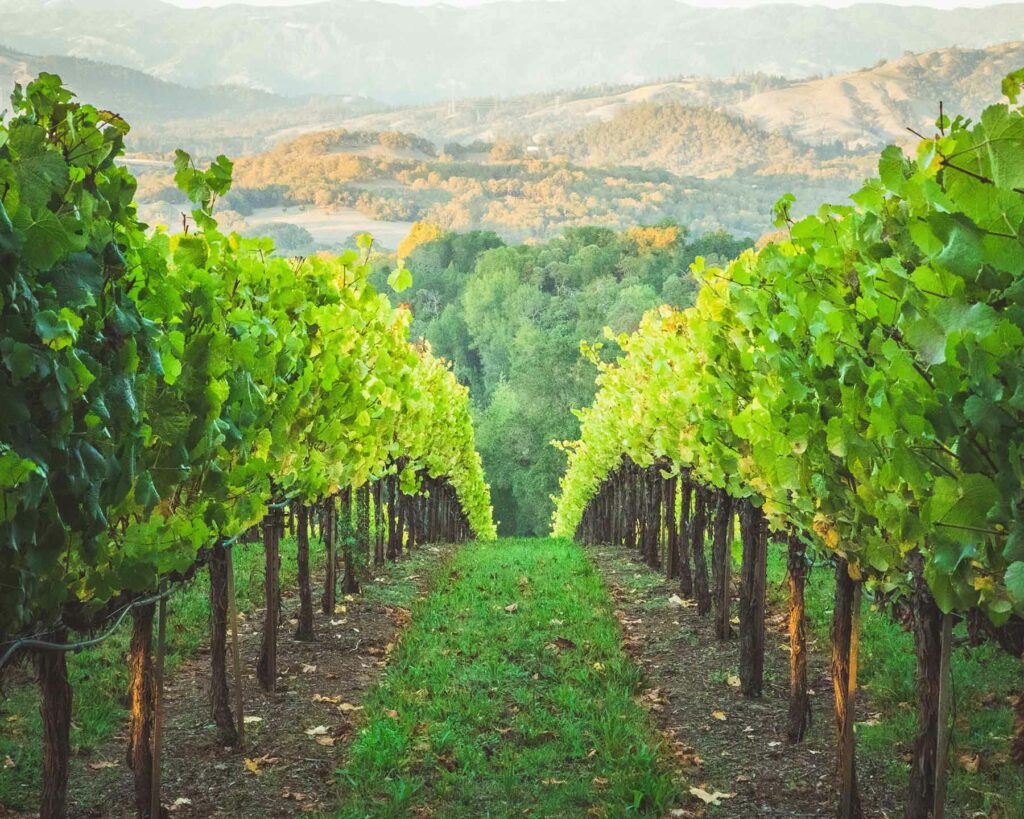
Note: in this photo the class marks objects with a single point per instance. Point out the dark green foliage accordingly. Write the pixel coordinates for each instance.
(74, 351)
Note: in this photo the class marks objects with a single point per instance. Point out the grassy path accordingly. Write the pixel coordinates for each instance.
(509, 695)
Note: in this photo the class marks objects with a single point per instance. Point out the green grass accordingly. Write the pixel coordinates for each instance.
(983, 678)
(100, 680)
(481, 714)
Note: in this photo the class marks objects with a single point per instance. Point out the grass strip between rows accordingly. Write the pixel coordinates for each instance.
(509, 695)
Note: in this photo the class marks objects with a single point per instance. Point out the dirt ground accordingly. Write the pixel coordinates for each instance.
(724, 742)
(294, 738)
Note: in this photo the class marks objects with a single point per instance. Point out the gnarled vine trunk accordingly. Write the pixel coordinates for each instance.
(55, 709)
(845, 628)
(685, 523)
(142, 702)
(721, 560)
(328, 527)
(220, 695)
(671, 529)
(753, 579)
(304, 629)
(698, 528)
(928, 649)
(266, 667)
(799, 701)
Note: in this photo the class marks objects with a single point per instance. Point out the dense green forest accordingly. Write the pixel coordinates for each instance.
(511, 319)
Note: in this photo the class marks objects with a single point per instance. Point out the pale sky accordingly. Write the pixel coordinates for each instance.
(944, 4)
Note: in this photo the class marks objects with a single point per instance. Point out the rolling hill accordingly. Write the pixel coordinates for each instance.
(875, 106)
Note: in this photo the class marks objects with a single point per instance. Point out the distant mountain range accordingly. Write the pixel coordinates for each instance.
(402, 54)
(673, 122)
(210, 119)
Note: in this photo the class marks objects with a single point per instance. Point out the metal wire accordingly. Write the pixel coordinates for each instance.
(37, 642)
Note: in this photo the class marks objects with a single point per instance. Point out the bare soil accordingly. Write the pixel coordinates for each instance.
(294, 737)
(723, 741)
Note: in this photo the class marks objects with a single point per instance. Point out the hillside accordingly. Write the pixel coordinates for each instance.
(135, 94)
(540, 116)
(876, 106)
(394, 177)
(166, 115)
(846, 113)
(404, 54)
(698, 141)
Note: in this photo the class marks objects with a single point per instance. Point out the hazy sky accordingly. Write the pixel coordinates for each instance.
(946, 4)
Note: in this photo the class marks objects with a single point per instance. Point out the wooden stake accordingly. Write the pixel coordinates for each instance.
(158, 707)
(945, 697)
(236, 657)
(848, 798)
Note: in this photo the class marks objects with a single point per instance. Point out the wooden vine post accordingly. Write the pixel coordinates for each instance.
(722, 563)
(236, 652)
(328, 530)
(685, 522)
(672, 531)
(925, 760)
(266, 668)
(799, 701)
(221, 581)
(698, 528)
(142, 701)
(845, 639)
(158, 716)
(304, 630)
(55, 710)
(754, 533)
(945, 702)
(353, 538)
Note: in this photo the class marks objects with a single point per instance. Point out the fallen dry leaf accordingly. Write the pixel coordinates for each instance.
(322, 698)
(719, 715)
(345, 707)
(96, 766)
(733, 680)
(253, 765)
(328, 741)
(9, 763)
(391, 713)
(599, 781)
(180, 802)
(319, 730)
(249, 720)
(340, 609)
(512, 608)
(552, 782)
(710, 798)
(970, 762)
(307, 668)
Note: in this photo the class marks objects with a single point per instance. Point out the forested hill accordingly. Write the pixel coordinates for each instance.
(734, 174)
(701, 141)
(511, 319)
(405, 54)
